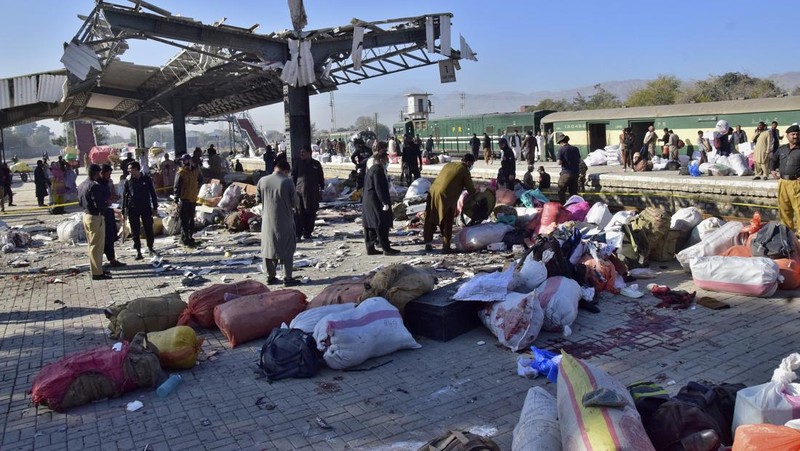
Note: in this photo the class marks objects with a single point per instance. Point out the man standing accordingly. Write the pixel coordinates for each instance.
(309, 181)
(665, 147)
(516, 145)
(786, 165)
(429, 147)
(626, 148)
(277, 196)
(93, 199)
(7, 177)
(41, 182)
(269, 159)
(761, 151)
(376, 212)
(774, 137)
(137, 198)
(739, 137)
(360, 155)
(508, 166)
(529, 148)
(673, 145)
(569, 158)
(215, 165)
(125, 163)
(475, 145)
(488, 156)
(168, 169)
(187, 186)
(109, 218)
(440, 209)
(540, 145)
(650, 139)
(412, 159)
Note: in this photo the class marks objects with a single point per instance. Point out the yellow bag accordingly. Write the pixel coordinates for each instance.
(177, 347)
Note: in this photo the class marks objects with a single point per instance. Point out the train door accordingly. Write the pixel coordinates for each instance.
(597, 136)
(639, 129)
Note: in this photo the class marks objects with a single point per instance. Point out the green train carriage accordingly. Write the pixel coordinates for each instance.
(595, 129)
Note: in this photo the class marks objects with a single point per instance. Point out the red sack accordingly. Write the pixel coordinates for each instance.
(738, 251)
(505, 197)
(766, 437)
(254, 316)
(553, 213)
(202, 302)
(602, 274)
(790, 270)
(340, 292)
(96, 374)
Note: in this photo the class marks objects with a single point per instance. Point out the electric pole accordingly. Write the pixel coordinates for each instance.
(463, 96)
(333, 114)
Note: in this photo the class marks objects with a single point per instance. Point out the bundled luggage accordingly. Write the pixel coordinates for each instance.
(148, 314)
(288, 353)
(399, 284)
(96, 374)
(200, 308)
(177, 347)
(515, 321)
(254, 316)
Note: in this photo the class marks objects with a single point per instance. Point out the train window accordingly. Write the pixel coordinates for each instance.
(490, 130)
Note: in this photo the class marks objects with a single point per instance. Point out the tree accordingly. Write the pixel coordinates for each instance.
(796, 91)
(367, 123)
(731, 86)
(601, 99)
(101, 135)
(550, 104)
(664, 90)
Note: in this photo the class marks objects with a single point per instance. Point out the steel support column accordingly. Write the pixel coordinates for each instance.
(2, 146)
(298, 118)
(178, 127)
(139, 133)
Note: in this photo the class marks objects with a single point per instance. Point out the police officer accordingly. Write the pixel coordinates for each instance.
(93, 198)
(786, 164)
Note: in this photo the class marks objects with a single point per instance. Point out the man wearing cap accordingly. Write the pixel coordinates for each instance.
(277, 195)
(93, 198)
(139, 201)
(786, 164)
(569, 158)
(187, 186)
(649, 142)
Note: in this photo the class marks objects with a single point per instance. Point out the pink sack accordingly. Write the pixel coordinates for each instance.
(578, 210)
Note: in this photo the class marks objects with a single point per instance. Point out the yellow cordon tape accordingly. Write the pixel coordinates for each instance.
(682, 196)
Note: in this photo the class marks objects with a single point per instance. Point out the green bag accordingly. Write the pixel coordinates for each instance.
(149, 314)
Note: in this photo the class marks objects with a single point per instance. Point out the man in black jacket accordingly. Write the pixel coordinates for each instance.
(309, 181)
(376, 212)
(137, 199)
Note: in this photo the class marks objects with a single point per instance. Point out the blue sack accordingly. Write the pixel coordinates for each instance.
(533, 195)
(543, 363)
(694, 169)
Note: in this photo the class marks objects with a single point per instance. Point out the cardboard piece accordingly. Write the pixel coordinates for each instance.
(246, 188)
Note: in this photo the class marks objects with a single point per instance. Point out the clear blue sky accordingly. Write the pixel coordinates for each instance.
(522, 45)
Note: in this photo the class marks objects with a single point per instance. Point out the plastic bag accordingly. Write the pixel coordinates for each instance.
(774, 402)
(599, 215)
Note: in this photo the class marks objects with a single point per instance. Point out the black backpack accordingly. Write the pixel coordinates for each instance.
(773, 241)
(288, 353)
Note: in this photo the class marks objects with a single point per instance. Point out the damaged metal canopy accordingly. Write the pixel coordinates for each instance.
(222, 69)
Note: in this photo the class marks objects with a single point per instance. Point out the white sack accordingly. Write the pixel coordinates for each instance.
(738, 163)
(230, 198)
(599, 215)
(558, 296)
(529, 274)
(485, 287)
(748, 276)
(685, 219)
(515, 322)
(704, 229)
(770, 403)
(209, 190)
(71, 231)
(418, 187)
(537, 428)
(307, 320)
(372, 329)
(619, 219)
(715, 243)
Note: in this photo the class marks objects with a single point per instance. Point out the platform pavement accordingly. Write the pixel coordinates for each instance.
(411, 397)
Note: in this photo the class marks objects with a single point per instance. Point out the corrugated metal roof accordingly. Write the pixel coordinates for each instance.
(25, 91)
(79, 58)
(687, 109)
(51, 87)
(5, 94)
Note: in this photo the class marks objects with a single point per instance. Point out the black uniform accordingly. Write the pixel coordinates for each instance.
(376, 221)
(309, 181)
(137, 199)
